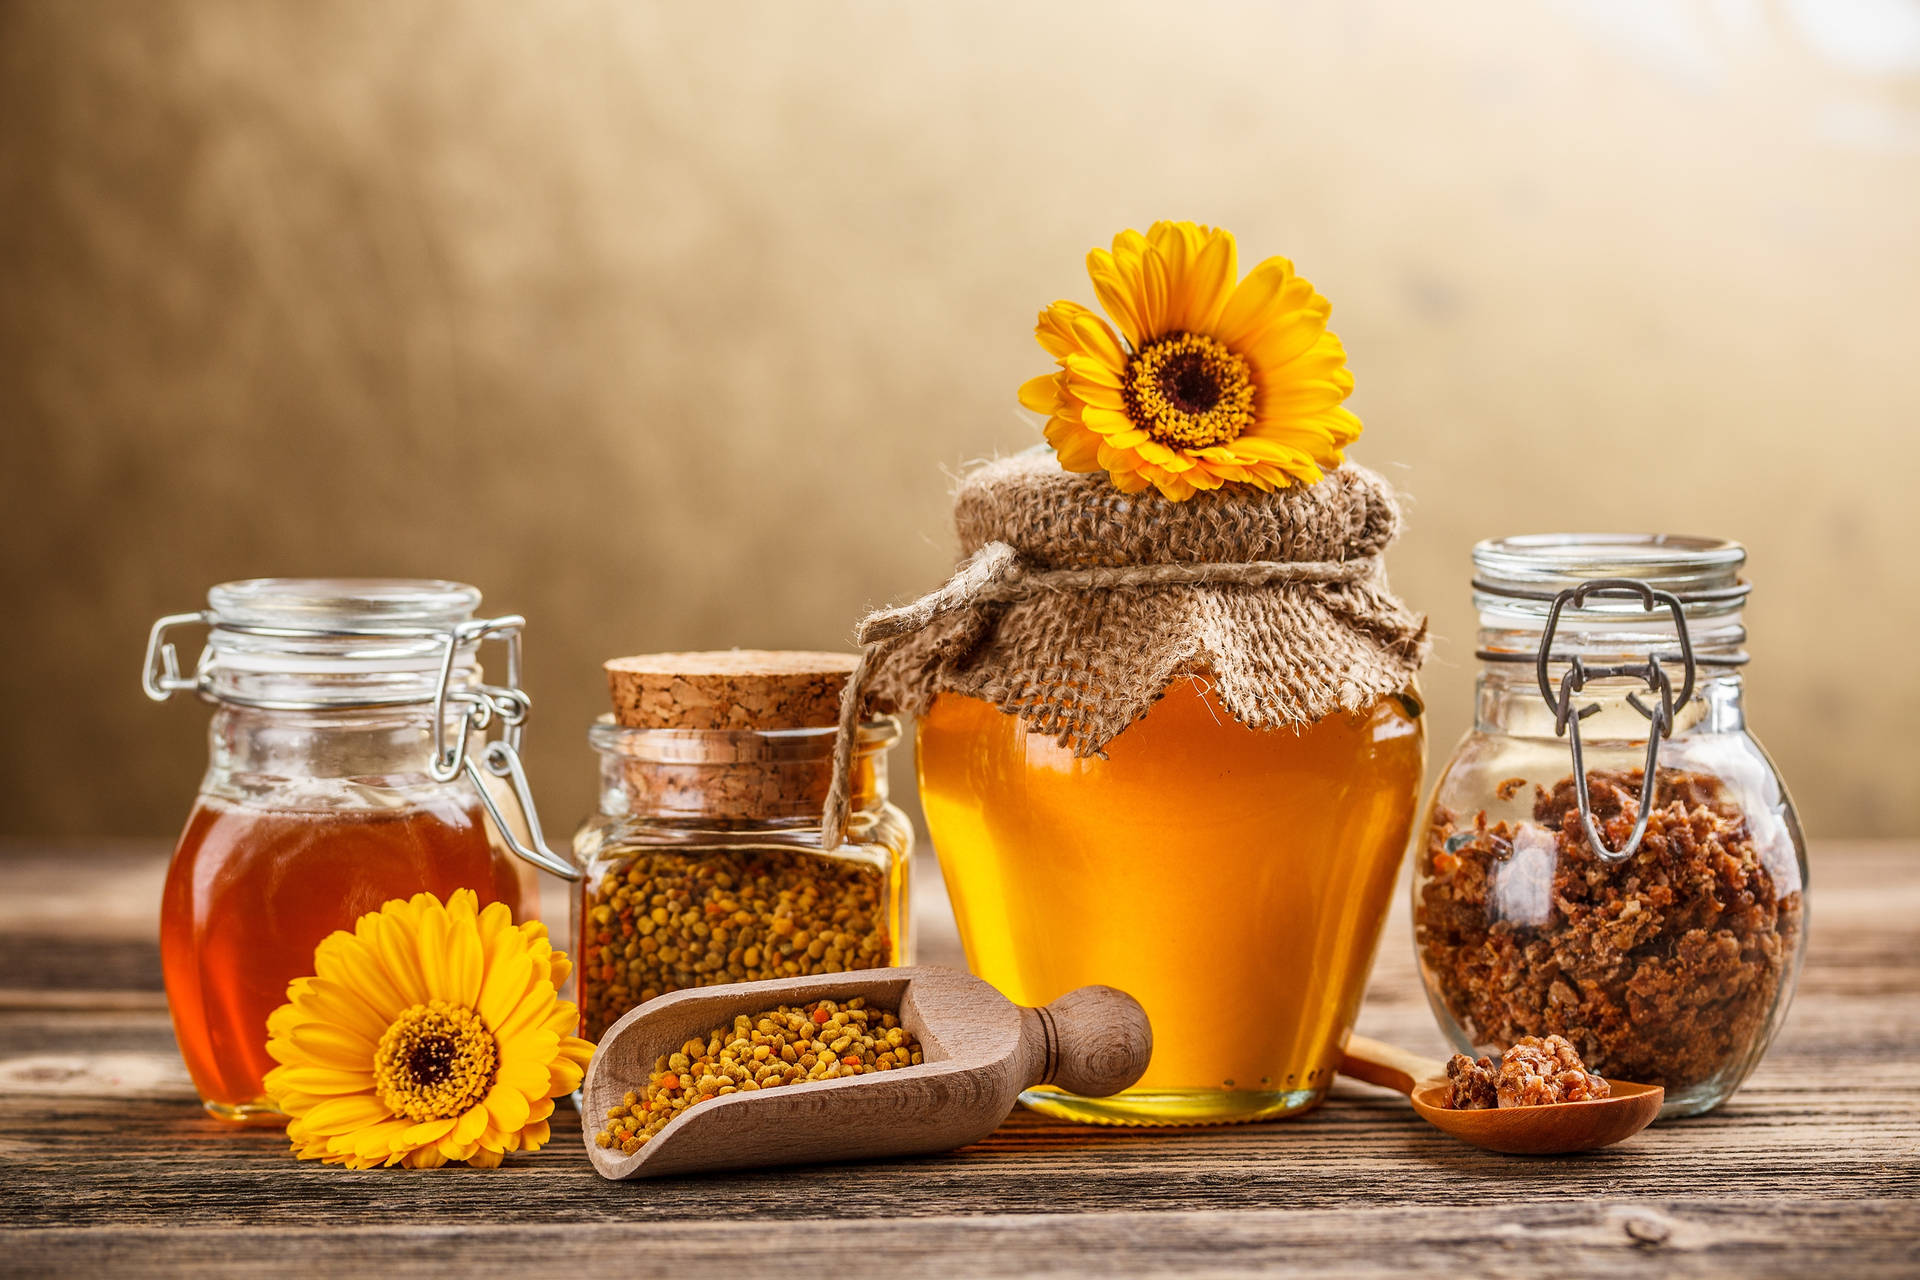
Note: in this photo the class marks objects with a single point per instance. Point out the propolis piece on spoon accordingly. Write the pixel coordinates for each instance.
(1554, 1129)
(978, 1049)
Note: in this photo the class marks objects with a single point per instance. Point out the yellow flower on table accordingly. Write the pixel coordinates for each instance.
(430, 1033)
(1212, 379)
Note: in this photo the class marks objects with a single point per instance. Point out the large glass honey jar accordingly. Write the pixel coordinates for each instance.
(1174, 748)
(1232, 880)
(348, 765)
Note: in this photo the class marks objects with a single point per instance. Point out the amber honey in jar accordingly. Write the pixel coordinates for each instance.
(1174, 748)
(1232, 880)
(705, 862)
(328, 792)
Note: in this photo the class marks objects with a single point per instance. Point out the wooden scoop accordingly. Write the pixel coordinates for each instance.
(1553, 1129)
(979, 1049)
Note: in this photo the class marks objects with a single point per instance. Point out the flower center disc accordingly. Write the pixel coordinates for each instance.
(1188, 391)
(434, 1062)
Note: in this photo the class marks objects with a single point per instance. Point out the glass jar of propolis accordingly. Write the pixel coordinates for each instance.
(1609, 855)
(1173, 748)
(705, 863)
(349, 764)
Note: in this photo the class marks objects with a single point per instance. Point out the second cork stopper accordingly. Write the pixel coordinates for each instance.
(733, 695)
(729, 689)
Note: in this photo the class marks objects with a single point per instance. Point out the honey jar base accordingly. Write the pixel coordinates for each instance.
(1174, 1106)
(260, 1111)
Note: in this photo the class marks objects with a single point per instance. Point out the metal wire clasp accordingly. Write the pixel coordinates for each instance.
(457, 713)
(1660, 716)
(485, 703)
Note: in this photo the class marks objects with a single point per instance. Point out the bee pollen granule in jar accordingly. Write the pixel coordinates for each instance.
(705, 864)
(824, 1040)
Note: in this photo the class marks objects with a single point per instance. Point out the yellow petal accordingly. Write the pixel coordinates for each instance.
(1086, 368)
(1105, 421)
(1119, 294)
(1097, 340)
(495, 921)
(1269, 291)
(485, 1159)
(338, 1115)
(466, 962)
(530, 1078)
(1289, 396)
(1077, 448)
(563, 1077)
(351, 976)
(325, 1081)
(1206, 280)
(375, 1142)
(507, 981)
(427, 1131)
(471, 1124)
(392, 938)
(1041, 394)
(563, 1019)
(430, 952)
(329, 1044)
(1055, 329)
(508, 1107)
(1097, 395)
(1285, 340)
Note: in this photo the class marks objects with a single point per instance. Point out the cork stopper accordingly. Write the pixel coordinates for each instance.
(729, 689)
(733, 695)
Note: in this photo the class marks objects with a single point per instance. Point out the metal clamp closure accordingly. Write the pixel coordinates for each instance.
(161, 677)
(479, 707)
(484, 704)
(1660, 716)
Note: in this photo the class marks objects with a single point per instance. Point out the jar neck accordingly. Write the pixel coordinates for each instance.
(777, 793)
(386, 746)
(1508, 702)
(738, 778)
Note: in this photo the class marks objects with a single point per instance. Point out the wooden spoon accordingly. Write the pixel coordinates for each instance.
(979, 1049)
(1553, 1129)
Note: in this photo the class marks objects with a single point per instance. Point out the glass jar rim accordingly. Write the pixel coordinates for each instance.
(326, 604)
(734, 746)
(339, 626)
(1517, 578)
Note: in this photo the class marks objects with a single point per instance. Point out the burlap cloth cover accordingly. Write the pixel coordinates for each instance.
(1077, 605)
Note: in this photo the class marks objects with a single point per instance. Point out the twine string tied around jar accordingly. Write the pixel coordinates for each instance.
(998, 574)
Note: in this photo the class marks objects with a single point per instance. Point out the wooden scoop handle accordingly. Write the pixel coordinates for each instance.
(1387, 1066)
(1094, 1042)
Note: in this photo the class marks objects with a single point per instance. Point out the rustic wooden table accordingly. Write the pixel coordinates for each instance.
(108, 1165)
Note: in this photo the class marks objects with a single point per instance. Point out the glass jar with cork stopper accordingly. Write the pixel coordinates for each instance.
(706, 863)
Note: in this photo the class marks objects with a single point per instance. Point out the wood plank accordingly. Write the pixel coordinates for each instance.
(1869, 1238)
(107, 1162)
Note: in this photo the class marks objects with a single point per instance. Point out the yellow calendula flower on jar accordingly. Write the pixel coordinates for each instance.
(1212, 379)
(431, 1033)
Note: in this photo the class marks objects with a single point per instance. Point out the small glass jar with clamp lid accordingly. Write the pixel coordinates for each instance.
(350, 763)
(1609, 855)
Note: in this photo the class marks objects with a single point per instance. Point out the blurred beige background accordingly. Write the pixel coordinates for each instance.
(668, 324)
